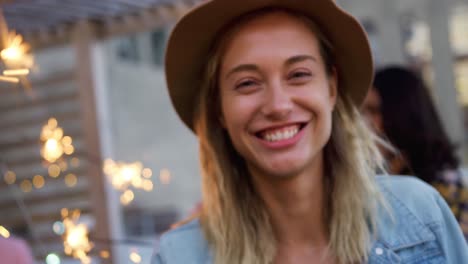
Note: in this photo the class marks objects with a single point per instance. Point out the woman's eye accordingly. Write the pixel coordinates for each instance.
(299, 74)
(246, 83)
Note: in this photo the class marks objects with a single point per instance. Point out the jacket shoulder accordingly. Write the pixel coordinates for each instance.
(418, 218)
(409, 191)
(184, 244)
(410, 197)
(411, 204)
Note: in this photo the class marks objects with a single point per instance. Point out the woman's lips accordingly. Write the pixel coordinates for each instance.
(282, 136)
(278, 134)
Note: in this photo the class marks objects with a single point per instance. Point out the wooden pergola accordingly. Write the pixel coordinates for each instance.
(45, 22)
(49, 23)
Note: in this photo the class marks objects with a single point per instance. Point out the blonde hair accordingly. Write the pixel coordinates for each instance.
(234, 218)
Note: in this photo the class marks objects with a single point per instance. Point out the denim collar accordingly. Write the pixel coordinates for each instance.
(397, 229)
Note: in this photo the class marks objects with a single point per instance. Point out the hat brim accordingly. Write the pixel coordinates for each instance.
(191, 40)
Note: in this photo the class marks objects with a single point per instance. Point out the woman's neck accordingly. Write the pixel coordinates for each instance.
(296, 207)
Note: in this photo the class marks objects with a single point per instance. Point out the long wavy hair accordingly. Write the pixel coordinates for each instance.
(234, 218)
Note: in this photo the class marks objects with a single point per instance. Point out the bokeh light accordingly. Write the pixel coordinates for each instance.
(54, 170)
(38, 181)
(58, 228)
(26, 186)
(147, 173)
(127, 197)
(104, 254)
(15, 54)
(52, 258)
(75, 162)
(55, 144)
(135, 257)
(10, 177)
(76, 236)
(148, 185)
(124, 176)
(4, 232)
(165, 176)
(71, 180)
(63, 165)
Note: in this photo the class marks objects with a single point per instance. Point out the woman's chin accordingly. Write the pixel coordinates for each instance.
(282, 171)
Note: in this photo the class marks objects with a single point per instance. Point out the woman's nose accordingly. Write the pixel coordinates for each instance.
(277, 104)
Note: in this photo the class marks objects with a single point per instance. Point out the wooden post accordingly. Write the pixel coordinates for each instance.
(83, 37)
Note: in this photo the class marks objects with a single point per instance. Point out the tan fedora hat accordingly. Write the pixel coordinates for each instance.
(193, 36)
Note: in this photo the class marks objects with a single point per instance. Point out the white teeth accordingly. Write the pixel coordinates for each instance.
(282, 134)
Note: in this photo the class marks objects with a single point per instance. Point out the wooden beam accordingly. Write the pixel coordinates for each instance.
(26, 142)
(31, 201)
(22, 105)
(48, 82)
(22, 124)
(40, 218)
(79, 172)
(83, 38)
(146, 19)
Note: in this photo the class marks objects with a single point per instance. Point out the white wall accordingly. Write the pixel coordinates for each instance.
(145, 128)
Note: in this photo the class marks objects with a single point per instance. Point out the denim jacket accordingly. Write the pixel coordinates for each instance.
(421, 229)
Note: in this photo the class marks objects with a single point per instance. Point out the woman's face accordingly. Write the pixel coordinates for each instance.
(276, 97)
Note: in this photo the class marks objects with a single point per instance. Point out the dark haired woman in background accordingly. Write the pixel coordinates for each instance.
(401, 110)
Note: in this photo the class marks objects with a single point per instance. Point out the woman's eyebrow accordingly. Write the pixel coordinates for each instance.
(242, 67)
(253, 67)
(300, 58)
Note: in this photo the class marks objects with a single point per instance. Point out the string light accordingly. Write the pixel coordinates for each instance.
(123, 176)
(76, 236)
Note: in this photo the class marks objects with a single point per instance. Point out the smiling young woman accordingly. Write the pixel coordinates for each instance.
(271, 88)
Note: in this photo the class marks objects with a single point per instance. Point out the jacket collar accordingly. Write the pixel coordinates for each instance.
(397, 228)
(400, 228)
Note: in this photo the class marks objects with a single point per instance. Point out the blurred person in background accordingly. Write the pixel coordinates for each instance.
(271, 89)
(400, 109)
(14, 251)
